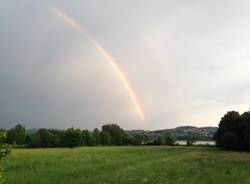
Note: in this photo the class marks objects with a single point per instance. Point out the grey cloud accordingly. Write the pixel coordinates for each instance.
(188, 62)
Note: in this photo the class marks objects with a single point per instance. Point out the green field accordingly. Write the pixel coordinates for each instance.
(126, 165)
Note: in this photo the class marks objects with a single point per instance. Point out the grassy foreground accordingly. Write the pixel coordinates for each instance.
(126, 165)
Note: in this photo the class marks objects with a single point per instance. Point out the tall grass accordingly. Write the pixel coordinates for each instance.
(127, 165)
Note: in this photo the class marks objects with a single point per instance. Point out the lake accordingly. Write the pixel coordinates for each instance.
(212, 143)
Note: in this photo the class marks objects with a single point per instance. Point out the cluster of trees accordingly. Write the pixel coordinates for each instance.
(110, 134)
(234, 131)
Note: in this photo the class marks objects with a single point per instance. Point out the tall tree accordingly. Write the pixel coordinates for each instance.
(85, 137)
(44, 137)
(227, 125)
(116, 133)
(97, 136)
(245, 117)
(16, 135)
(234, 131)
(105, 138)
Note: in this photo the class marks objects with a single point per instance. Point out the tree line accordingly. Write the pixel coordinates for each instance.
(234, 131)
(110, 134)
(233, 134)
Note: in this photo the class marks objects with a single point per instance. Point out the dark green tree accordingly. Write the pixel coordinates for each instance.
(228, 123)
(16, 135)
(35, 140)
(44, 137)
(245, 118)
(91, 140)
(230, 140)
(116, 133)
(28, 140)
(85, 137)
(234, 131)
(105, 138)
(97, 136)
(53, 141)
(59, 136)
(72, 138)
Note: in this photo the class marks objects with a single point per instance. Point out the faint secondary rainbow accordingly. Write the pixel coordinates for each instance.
(75, 24)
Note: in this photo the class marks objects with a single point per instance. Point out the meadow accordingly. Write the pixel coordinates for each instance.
(126, 165)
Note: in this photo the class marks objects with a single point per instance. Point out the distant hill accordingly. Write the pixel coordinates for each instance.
(182, 132)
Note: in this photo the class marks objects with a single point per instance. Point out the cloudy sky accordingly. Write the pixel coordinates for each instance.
(187, 62)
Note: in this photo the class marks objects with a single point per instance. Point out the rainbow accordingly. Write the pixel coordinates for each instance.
(76, 25)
